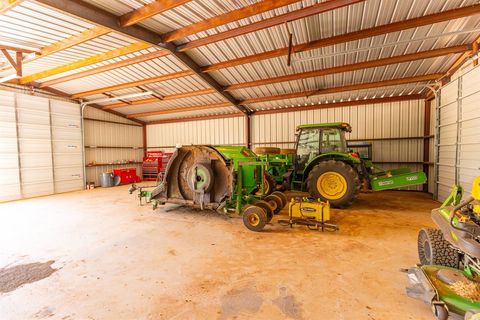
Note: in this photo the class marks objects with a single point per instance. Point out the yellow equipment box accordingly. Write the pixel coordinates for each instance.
(310, 212)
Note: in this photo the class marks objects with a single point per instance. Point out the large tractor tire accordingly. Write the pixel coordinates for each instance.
(267, 150)
(334, 181)
(433, 249)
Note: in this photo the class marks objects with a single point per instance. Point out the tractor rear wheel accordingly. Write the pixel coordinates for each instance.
(433, 249)
(254, 218)
(334, 181)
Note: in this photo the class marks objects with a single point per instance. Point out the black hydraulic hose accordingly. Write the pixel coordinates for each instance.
(455, 209)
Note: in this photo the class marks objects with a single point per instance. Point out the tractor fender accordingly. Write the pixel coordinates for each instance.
(338, 156)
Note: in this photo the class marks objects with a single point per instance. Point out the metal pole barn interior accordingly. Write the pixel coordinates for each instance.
(88, 87)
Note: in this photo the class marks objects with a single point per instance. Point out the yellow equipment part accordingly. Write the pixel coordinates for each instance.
(476, 194)
(303, 208)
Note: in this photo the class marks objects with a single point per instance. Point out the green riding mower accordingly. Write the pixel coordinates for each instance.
(448, 277)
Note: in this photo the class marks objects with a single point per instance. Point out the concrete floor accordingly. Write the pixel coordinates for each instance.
(117, 260)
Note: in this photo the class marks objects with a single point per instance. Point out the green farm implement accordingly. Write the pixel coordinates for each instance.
(448, 277)
(235, 179)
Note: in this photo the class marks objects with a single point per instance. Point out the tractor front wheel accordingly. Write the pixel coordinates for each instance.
(433, 249)
(334, 181)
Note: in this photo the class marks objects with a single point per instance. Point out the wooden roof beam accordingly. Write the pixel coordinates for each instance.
(181, 109)
(294, 109)
(108, 67)
(137, 46)
(357, 35)
(155, 99)
(132, 84)
(354, 66)
(149, 10)
(69, 42)
(235, 15)
(342, 104)
(352, 87)
(18, 49)
(209, 117)
(267, 23)
(104, 18)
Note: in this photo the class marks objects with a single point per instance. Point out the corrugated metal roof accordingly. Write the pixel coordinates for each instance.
(34, 25)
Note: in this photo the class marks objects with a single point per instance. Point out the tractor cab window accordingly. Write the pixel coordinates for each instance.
(308, 147)
(333, 140)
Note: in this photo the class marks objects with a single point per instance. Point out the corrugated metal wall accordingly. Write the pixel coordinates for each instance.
(40, 145)
(395, 130)
(214, 131)
(110, 142)
(9, 161)
(458, 141)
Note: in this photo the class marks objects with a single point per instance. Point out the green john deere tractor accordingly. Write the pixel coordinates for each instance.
(324, 166)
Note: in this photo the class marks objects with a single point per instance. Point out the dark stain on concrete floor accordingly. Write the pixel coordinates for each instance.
(16, 276)
(237, 302)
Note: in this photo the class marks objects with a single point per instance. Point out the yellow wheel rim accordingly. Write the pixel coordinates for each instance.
(253, 219)
(267, 188)
(331, 185)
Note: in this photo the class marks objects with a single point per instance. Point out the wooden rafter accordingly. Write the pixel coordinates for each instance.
(354, 66)
(96, 106)
(87, 61)
(108, 67)
(360, 86)
(69, 42)
(132, 84)
(342, 104)
(235, 15)
(19, 49)
(302, 108)
(74, 40)
(357, 35)
(169, 97)
(6, 5)
(99, 16)
(267, 23)
(149, 10)
(181, 109)
(209, 117)
(15, 63)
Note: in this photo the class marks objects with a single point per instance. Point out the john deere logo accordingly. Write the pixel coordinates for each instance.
(308, 209)
(412, 178)
(385, 183)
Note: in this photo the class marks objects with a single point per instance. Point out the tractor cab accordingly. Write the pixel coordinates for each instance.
(316, 139)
